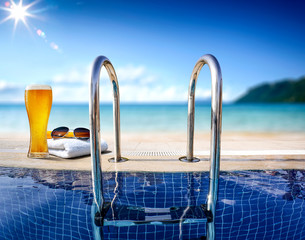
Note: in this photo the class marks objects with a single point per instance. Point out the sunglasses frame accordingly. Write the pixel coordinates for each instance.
(68, 130)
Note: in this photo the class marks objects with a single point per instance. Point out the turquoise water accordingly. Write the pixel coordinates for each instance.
(165, 117)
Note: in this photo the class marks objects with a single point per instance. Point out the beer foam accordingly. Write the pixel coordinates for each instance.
(38, 87)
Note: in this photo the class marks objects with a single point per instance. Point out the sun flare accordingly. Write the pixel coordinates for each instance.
(20, 12)
(17, 12)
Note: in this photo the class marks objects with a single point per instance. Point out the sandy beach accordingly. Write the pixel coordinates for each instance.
(159, 152)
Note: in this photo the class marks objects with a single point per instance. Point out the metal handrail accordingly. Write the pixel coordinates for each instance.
(94, 112)
(216, 114)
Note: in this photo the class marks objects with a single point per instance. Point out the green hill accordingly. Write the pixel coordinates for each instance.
(289, 91)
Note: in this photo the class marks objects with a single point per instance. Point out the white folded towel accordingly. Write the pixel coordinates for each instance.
(72, 147)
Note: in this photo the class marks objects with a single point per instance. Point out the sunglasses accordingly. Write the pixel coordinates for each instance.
(79, 133)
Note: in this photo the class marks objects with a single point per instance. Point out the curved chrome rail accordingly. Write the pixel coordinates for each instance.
(216, 114)
(94, 112)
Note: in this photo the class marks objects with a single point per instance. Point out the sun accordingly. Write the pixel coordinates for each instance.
(17, 12)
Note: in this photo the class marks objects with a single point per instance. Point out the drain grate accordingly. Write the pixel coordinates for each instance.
(154, 153)
(162, 153)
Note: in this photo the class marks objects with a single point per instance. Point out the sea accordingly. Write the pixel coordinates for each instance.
(145, 118)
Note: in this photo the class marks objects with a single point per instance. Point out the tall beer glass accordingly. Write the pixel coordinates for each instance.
(38, 102)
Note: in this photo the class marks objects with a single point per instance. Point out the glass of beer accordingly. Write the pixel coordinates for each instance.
(38, 102)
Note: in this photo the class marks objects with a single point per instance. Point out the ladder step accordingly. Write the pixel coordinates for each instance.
(122, 215)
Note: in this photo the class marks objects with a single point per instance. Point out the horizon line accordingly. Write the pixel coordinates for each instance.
(208, 103)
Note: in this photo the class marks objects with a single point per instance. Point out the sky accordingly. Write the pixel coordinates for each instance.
(153, 46)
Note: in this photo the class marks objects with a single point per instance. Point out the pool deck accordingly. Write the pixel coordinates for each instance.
(159, 152)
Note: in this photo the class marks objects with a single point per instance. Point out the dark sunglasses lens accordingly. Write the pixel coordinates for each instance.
(82, 133)
(59, 132)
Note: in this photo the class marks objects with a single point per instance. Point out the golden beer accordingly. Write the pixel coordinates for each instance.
(38, 102)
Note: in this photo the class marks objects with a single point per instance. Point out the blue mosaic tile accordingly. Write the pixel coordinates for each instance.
(49, 204)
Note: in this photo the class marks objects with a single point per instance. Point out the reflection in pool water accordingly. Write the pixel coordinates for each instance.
(49, 204)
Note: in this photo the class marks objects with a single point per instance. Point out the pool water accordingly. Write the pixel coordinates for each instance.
(49, 204)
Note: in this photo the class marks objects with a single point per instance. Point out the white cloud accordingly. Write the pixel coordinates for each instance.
(11, 92)
(131, 73)
(148, 79)
(126, 74)
(135, 82)
(73, 76)
(128, 93)
(156, 93)
(6, 86)
(227, 94)
(203, 93)
(71, 94)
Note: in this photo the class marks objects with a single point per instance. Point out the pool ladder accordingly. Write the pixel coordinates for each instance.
(216, 115)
